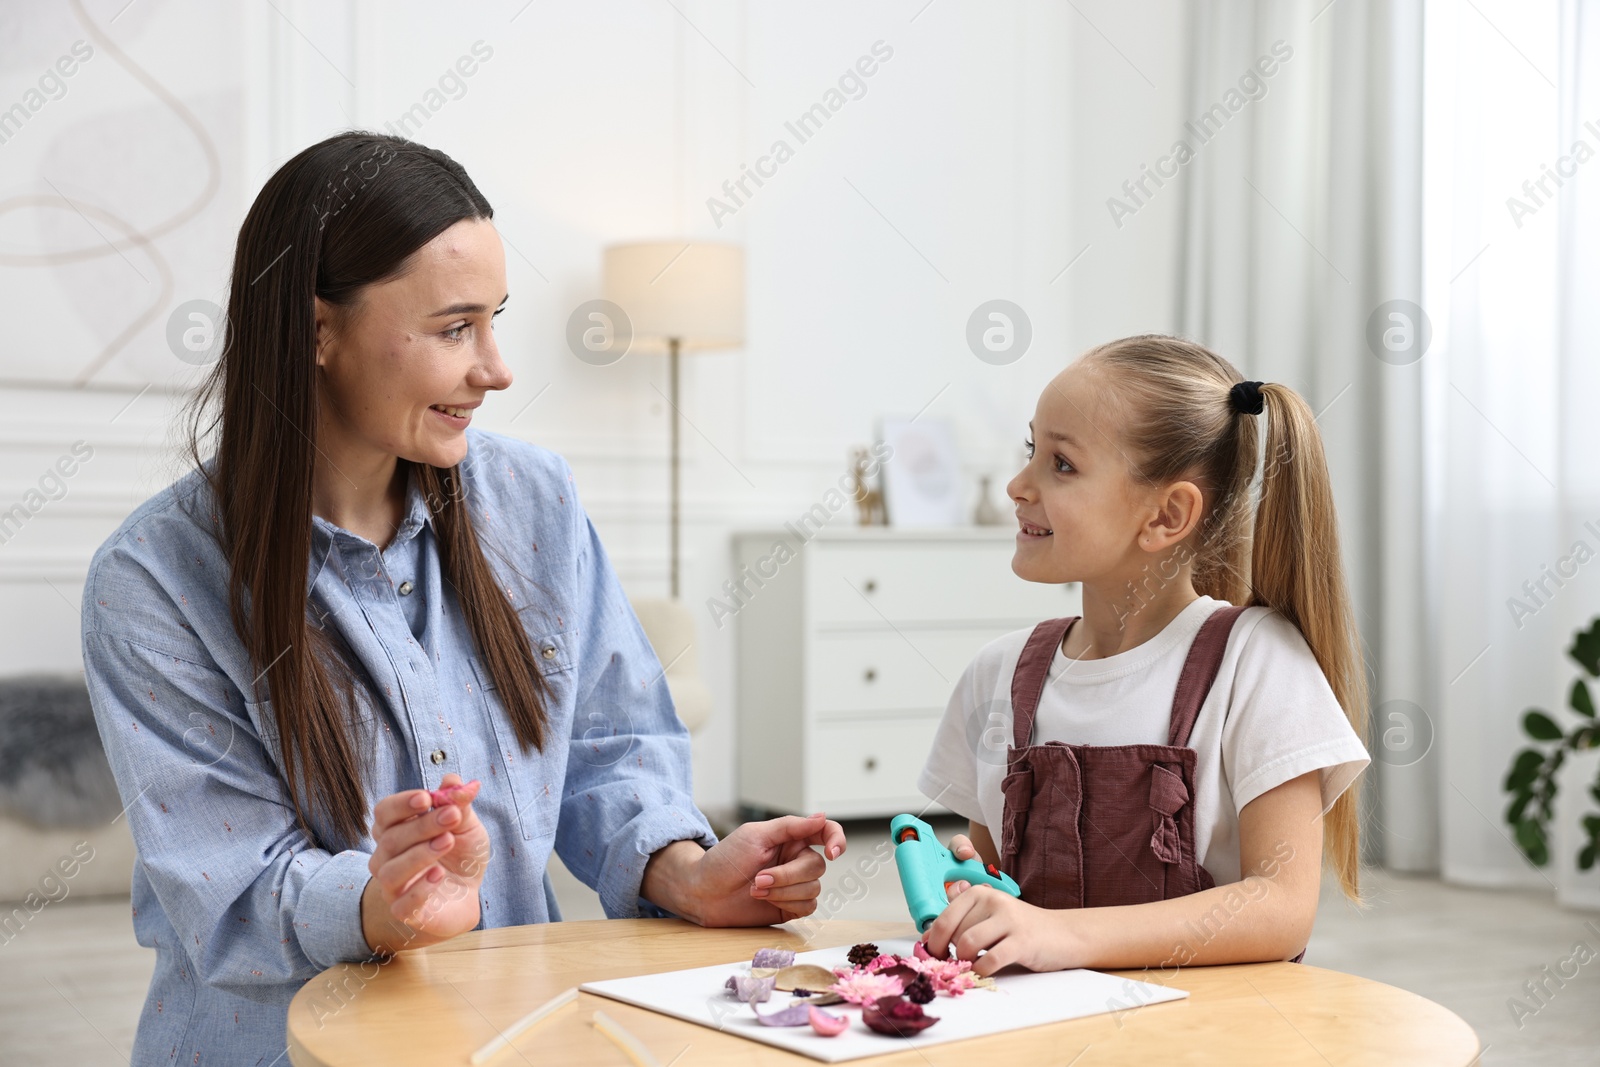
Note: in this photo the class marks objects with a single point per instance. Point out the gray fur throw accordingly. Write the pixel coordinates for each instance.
(53, 770)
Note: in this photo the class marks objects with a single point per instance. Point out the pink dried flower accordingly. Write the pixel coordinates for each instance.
(896, 1017)
(826, 1023)
(862, 987)
(953, 977)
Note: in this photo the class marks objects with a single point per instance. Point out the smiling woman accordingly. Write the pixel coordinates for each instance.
(385, 620)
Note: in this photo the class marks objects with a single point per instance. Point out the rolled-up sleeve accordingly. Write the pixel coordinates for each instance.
(254, 902)
(629, 790)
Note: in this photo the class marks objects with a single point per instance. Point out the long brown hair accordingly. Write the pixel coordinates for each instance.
(341, 215)
(1178, 423)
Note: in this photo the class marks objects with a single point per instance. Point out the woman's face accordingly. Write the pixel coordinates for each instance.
(1080, 520)
(412, 345)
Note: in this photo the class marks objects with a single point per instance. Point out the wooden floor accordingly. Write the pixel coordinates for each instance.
(72, 982)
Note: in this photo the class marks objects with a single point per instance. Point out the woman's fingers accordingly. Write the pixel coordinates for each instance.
(396, 875)
(807, 830)
(781, 894)
(806, 867)
(456, 792)
(422, 827)
(397, 808)
(412, 906)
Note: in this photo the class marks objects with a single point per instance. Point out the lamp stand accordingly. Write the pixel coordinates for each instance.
(672, 344)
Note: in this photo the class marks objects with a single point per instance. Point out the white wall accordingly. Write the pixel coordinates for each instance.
(975, 166)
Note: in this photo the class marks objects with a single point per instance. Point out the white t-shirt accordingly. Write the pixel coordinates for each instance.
(1269, 717)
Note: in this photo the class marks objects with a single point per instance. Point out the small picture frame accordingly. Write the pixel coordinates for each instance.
(922, 484)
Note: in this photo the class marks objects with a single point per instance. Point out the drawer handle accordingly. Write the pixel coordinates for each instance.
(870, 585)
(872, 763)
(871, 675)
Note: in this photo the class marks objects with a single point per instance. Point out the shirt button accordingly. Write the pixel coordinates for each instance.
(438, 755)
(548, 652)
(405, 588)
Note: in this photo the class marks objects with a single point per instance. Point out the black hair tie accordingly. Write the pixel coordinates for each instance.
(1246, 397)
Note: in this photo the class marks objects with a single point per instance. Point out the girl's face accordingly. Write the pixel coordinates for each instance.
(1080, 518)
(412, 345)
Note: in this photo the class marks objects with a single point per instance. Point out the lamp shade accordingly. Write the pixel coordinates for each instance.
(687, 290)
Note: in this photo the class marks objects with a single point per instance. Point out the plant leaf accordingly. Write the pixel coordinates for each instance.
(1591, 823)
(1586, 648)
(1531, 839)
(1580, 701)
(1539, 726)
(1524, 770)
(1519, 804)
(1586, 857)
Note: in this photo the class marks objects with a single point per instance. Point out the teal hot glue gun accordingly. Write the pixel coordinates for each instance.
(927, 868)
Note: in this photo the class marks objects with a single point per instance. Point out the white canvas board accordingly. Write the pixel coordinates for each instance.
(1022, 999)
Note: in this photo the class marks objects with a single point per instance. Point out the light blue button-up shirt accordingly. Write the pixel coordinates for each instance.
(241, 907)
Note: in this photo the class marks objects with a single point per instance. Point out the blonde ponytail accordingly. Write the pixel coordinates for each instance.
(1178, 421)
(1297, 570)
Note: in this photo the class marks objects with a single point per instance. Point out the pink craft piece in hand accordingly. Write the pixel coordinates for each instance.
(451, 794)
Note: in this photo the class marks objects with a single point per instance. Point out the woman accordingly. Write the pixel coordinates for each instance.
(358, 602)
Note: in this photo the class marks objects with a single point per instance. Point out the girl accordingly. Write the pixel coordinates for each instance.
(298, 651)
(1163, 775)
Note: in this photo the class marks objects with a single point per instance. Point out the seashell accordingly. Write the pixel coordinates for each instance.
(805, 976)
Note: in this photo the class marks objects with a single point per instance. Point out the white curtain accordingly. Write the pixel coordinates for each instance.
(1512, 278)
(1380, 167)
(1302, 220)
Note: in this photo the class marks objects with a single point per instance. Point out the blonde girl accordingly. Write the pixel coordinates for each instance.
(1165, 775)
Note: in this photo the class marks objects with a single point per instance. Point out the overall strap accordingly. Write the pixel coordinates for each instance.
(1199, 671)
(1033, 667)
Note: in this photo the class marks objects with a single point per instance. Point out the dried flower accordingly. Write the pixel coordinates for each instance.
(896, 1017)
(826, 1023)
(772, 957)
(920, 991)
(947, 976)
(863, 954)
(862, 987)
(747, 988)
(793, 1015)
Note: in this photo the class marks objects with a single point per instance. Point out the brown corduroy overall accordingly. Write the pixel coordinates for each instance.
(1098, 825)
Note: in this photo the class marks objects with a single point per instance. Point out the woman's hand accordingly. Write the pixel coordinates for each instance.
(760, 874)
(1006, 930)
(430, 857)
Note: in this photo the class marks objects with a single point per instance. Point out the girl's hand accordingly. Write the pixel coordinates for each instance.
(961, 848)
(1004, 929)
(430, 857)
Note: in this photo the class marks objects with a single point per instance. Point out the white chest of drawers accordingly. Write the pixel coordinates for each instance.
(848, 652)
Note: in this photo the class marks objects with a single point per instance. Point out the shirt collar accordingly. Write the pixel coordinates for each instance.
(324, 533)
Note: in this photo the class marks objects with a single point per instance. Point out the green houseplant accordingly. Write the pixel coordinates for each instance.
(1531, 781)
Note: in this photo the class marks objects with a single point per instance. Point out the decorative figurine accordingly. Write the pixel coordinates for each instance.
(869, 502)
(986, 514)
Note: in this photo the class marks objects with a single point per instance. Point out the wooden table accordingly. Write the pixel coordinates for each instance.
(438, 1005)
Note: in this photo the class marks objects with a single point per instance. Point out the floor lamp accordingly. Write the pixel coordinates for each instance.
(679, 296)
